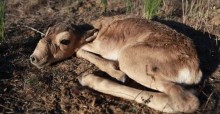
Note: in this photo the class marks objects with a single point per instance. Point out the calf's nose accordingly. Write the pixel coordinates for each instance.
(33, 59)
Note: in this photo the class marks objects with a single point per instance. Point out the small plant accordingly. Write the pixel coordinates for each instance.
(133, 110)
(1, 20)
(128, 6)
(104, 3)
(150, 8)
(32, 81)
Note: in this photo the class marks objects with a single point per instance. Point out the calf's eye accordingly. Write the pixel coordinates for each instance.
(65, 42)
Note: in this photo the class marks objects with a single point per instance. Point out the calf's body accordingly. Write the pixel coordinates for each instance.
(149, 53)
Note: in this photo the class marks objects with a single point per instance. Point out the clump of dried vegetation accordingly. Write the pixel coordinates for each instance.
(201, 14)
(149, 7)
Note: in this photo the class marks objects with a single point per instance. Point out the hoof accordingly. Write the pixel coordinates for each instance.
(123, 78)
(81, 78)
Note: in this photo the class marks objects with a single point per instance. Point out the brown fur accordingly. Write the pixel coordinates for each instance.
(148, 52)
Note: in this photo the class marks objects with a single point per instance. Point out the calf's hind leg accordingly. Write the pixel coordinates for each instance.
(138, 67)
(155, 100)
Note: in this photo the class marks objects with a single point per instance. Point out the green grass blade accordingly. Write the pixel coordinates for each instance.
(104, 3)
(150, 8)
(128, 6)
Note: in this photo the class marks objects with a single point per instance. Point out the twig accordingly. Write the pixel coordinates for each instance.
(48, 30)
(208, 100)
(183, 11)
(6, 107)
(42, 34)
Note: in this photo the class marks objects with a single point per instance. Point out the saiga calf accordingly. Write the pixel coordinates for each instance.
(148, 52)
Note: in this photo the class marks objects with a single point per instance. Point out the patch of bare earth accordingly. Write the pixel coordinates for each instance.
(55, 89)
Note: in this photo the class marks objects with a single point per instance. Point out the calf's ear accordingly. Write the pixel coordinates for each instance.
(74, 27)
(90, 35)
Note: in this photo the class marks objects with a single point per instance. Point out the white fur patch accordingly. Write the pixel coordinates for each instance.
(184, 76)
(199, 77)
(111, 56)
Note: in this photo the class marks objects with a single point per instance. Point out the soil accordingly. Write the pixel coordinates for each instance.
(55, 89)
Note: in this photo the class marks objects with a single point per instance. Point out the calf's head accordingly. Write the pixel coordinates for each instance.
(60, 42)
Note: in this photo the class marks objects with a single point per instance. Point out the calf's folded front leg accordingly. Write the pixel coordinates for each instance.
(156, 100)
(108, 66)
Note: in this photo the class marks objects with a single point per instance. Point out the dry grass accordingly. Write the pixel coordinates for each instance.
(201, 15)
(196, 11)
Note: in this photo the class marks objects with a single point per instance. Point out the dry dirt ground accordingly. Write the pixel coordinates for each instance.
(55, 89)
